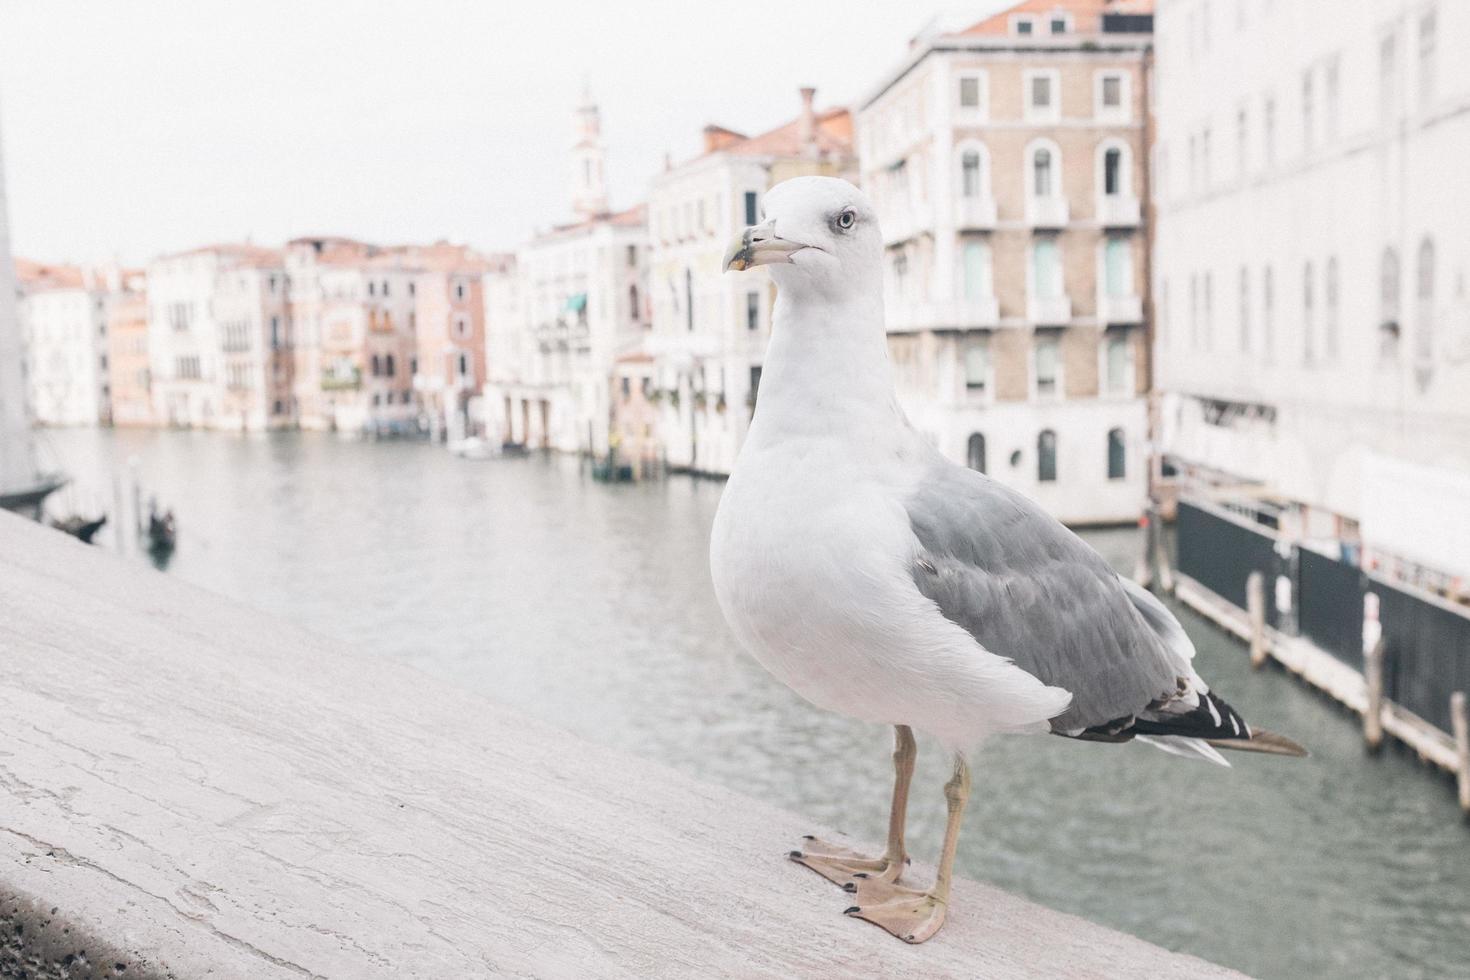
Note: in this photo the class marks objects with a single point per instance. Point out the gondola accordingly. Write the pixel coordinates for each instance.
(79, 527)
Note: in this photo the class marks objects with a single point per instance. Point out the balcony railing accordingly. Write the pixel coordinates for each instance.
(1120, 309)
(342, 381)
(1049, 310)
(968, 314)
(562, 335)
(975, 213)
(955, 314)
(1117, 211)
(900, 224)
(1047, 212)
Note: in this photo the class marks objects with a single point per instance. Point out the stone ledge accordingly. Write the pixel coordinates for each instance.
(202, 791)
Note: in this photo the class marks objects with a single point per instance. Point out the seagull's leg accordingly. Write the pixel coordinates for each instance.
(842, 865)
(909, 914)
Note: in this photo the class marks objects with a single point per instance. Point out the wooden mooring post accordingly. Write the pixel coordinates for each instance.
(1153, 558)
(1460, 724)
(1373, 711)
(1255, 603)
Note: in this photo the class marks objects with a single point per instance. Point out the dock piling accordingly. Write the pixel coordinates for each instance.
(1373, 711)
(1255, 601)
(1154, 540)
(1461, 725)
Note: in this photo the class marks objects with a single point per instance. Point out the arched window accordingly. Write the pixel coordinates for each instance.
(1309, 349)
(1046, 456)
(1041, 173)
(633, 301)
(1112, 171)
(388, 365)
(972, 183)
(1117, 455)
(1388, 296)
(1424, 318)
(975, 453)
(377, 366)
(1329, 322)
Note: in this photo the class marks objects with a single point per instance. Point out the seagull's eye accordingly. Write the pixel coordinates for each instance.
(846, 219)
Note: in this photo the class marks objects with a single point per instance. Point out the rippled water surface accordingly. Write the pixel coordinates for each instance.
(590, 606)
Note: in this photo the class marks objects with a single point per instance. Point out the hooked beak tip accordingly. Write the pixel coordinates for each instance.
(758, 245)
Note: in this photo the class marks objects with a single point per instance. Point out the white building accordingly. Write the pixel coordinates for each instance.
(1004, 160)
(218, 338)
(709, 329)
(576, 304)
(1311, 264)
(63, 317)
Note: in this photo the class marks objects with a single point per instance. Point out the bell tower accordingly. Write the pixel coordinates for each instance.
(589, 188)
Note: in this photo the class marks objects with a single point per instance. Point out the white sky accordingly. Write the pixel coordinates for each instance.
(134, 127)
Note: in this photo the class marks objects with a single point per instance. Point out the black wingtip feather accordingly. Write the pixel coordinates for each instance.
(1213, 720)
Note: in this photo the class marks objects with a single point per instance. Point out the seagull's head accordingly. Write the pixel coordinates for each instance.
(816, 232)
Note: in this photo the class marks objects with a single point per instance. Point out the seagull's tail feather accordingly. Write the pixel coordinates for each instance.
(1189, 748)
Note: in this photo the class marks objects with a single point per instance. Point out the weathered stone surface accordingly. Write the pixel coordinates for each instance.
(202, 791)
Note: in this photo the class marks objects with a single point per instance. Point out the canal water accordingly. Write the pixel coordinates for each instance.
(590, 606)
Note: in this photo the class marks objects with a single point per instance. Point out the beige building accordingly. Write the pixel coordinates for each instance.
(449, 334)
(354, 313)
(1006, 164)
(635, 437)
(129, 374)
(709, 329)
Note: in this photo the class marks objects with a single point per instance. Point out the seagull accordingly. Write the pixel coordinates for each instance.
(881, 581)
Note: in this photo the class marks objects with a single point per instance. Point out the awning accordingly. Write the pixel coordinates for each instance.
(577, 302)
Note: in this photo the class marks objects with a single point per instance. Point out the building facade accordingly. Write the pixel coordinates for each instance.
(354, 309)
(218, 338)
(1310, 270)
(1006, 163)
(576, 304)
(449, 334)
(635, 438)
(710, 330)
(129, 372)
(63, 318)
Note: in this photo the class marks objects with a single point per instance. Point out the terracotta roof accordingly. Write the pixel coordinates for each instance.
(242, 253)
(448, 257)
(628, 218)
(39, 277)
(1086, 15)
(833, 134)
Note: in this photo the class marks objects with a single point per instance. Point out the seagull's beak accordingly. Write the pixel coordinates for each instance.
(759, 245)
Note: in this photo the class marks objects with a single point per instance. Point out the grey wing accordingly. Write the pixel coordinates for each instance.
(1029, 589)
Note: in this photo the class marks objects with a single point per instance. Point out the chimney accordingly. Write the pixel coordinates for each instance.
(806, 128)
